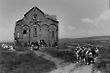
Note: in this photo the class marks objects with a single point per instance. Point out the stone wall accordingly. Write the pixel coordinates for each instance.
(35, 26)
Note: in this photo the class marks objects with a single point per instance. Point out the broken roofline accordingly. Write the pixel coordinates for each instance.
(41, 12)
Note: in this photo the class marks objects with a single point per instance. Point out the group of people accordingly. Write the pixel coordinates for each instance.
(37, 45)
(86, 55)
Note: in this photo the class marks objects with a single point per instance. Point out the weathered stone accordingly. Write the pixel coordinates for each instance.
(36, 26)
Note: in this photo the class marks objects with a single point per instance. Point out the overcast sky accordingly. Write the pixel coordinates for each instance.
(77, 18)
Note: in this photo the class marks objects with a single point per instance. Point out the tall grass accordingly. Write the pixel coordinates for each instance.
(12, 62)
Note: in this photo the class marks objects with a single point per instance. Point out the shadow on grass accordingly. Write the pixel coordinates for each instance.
(67, 56)
(12, 62)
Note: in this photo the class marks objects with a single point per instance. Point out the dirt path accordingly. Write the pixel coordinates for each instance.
(71, 69)
(65, 67)
(57, 61)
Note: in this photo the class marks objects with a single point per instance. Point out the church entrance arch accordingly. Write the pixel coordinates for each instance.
(35, 33)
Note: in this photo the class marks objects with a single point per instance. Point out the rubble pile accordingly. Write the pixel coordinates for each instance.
(8, 47)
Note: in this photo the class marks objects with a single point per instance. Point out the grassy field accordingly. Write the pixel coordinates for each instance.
(103, 44)
(30, 63)
(12, 62)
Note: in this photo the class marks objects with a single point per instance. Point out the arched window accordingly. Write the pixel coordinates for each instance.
(24, 32)
(35, 32)
(53, 34)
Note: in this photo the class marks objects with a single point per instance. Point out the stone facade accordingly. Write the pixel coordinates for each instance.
(36, 26)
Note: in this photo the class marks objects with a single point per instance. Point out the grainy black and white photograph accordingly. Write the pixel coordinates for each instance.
(54, 36)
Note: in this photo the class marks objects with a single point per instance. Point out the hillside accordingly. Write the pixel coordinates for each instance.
(93, 40)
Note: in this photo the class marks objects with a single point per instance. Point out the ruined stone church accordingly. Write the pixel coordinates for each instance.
(36, 26)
